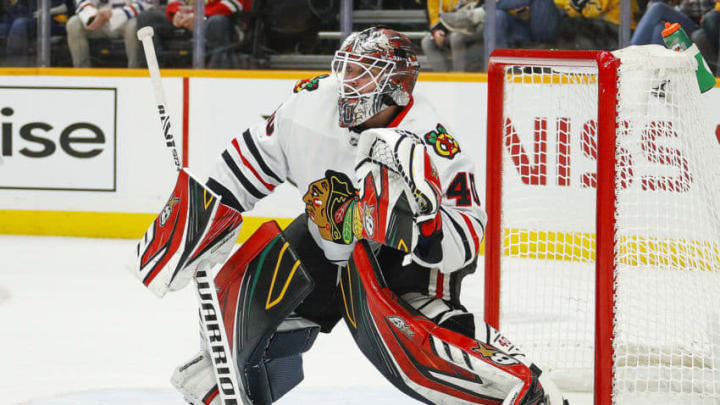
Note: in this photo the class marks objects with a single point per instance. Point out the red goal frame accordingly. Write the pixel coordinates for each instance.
(607, 66)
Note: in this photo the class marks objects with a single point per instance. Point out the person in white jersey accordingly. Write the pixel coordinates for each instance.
(392, 225)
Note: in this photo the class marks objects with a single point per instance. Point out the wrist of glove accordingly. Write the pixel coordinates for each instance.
(428, 249)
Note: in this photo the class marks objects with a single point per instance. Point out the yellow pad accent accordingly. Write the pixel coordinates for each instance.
(269, 304)
(402, 246)
(351, 318)
(205, 197)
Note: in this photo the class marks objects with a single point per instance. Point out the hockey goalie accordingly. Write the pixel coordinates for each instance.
(391, 227)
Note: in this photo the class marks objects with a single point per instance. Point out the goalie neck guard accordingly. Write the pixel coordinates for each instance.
(376, 68)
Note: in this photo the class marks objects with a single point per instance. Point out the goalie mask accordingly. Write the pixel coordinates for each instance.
(376, 68)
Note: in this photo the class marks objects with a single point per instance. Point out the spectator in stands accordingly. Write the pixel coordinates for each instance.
(292, 26)
(223, 26)
(11, 11)
(593, 24)
(455, 25)
(707, 38)
(688, 14)
(6, 7)
(6, 17)
(22, 30)
(525, 22)
(104, 19)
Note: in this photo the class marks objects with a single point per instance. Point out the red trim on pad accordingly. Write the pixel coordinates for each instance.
(185, 121)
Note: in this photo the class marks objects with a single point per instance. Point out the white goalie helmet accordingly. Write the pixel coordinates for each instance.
(376, 68)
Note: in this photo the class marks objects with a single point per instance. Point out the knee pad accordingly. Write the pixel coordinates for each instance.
(258, 289)
(276, 370)
(279, 367)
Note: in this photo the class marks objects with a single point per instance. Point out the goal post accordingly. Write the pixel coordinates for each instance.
(602, 248)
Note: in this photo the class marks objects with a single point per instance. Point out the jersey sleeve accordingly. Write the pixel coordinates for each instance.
(172, 7)
(131, 9)
(225, 7)
(252, 165)
(85, 9)
(463, 228)
(463, 219)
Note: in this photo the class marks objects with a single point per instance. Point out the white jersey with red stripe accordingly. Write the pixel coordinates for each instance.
(301, 142)
(122, 10)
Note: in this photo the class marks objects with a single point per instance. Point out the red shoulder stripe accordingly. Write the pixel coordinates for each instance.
(249, 166)
(398, 118)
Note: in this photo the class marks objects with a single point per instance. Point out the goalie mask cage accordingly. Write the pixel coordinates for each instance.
(602, 256)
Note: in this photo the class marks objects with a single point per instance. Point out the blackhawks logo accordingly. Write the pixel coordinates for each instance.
(445, 145)
(331, 204)
(308, 84)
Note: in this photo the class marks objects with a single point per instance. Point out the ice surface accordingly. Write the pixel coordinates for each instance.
(78, 328)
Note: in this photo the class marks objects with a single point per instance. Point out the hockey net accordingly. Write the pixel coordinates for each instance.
(601, 167)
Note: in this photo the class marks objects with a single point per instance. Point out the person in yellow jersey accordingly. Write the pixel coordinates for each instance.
(455, 38)
(595, 24)
(608, 10)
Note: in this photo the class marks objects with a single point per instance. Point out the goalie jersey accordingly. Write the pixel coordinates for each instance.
(301, 142)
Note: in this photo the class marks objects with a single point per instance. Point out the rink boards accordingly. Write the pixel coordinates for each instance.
(82, 153)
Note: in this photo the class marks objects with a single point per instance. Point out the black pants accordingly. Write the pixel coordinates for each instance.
(324, 305)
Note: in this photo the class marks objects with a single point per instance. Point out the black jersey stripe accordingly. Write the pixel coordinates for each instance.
(226, 196)
(462, 234)
(256, 154)
(238, 174)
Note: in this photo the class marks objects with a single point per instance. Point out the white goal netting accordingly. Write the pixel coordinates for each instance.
(667, 237)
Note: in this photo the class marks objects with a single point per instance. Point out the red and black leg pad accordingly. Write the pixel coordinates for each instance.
(258, 288)
(193, 226)
(427, 362)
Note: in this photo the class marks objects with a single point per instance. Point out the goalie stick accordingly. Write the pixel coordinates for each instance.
(213, 326)
(145, 36)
